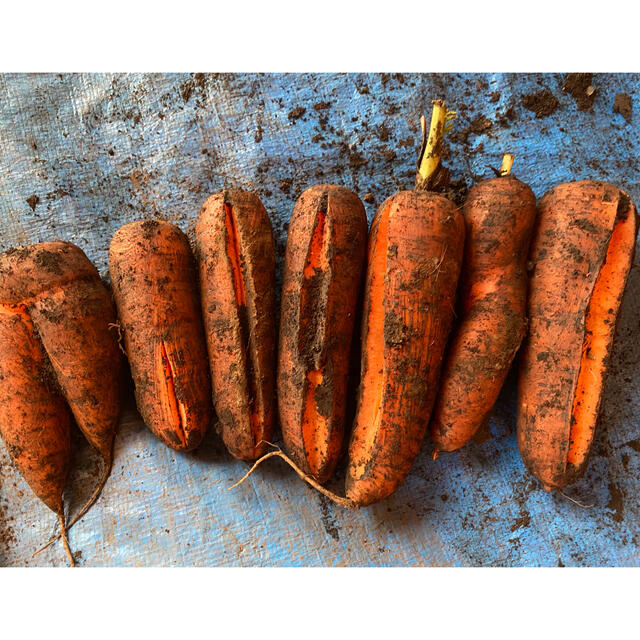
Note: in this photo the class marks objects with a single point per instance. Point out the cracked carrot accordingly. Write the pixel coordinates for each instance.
(581, 256)
(154, 282)
(236, 258)
(324, 261)
(499, 215)
(58, 358)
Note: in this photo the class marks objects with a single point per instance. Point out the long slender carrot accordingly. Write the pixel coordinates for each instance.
(415, 254)
(499, 215)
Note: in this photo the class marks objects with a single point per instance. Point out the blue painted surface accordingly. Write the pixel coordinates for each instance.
(102, 150)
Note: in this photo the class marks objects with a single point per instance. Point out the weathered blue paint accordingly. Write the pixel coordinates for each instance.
(101, 150)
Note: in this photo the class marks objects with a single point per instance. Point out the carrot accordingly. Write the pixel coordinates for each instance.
(499, 215)
(324, 261)
(415, 253)
(236, 257)
(582, 252)
(154, 283)
(58, 357)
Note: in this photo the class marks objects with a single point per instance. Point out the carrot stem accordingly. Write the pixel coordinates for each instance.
(431, 150)
(343, 502)
(507, 163)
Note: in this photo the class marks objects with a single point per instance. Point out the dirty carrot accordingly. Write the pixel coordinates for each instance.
(581, 255)
(58, 358)
(154, 282)
(499, 215)
(323, 268)
(415, 254)
(235, 251)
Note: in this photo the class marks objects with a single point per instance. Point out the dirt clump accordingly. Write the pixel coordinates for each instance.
(543, 103)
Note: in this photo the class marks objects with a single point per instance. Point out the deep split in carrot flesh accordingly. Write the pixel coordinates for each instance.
(315, 426)
(599, 325)
(234, 253)
(175, 407)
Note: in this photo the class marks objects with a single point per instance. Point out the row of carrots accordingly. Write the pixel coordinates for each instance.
(443, 297)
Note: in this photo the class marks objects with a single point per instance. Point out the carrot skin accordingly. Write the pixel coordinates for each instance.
(414, 257)
(154, 283)
(324, 261)
(499, 215)
(55, 314)
(582, 252)
(236, 258)
(34, 419)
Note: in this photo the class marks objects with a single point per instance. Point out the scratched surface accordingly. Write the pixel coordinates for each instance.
(81, 155)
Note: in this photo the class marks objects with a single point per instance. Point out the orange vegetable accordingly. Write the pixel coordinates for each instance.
(581, 253)
(58, 358)
(154, 281)
(499, 215)
(321, 281)
(236, 256)
(415, 253)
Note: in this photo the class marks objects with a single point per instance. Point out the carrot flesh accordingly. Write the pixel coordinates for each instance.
(599, 327)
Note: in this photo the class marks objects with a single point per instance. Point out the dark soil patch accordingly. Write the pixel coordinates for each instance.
(33, 201)
(580, 87)
(623, 106)
(543, 103)
(296, 113)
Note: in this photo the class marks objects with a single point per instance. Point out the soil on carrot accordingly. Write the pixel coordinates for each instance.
(580, 86)
(543, 103)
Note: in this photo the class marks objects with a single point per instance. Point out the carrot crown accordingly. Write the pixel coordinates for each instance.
(431, 174)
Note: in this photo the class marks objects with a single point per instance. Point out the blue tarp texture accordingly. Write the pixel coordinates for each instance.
(81, 155)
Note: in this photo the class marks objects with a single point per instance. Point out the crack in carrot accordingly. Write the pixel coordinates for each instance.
(234, 253)
(315, 426)
(599, 327)
(176, 408)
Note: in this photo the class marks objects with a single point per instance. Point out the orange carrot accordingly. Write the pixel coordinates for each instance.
(322, 276)
(154, 283)
(499, 215)
(236, 256)
(415, 253)
(581, 253)
(58, 357)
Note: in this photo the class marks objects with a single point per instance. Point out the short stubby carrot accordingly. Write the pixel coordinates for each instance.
(324, 261)
(59, 357)
(414, 258)
(235, 250)
(499, 215)
(154, 280)
(581, 255)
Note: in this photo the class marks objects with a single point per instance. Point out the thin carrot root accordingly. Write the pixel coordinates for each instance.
(65, 541)
(583, 506)
(343, 502)
(87, 505)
